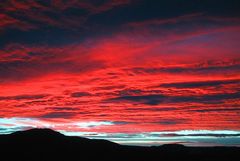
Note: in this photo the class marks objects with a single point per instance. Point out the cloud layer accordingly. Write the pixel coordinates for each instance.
(120, 67)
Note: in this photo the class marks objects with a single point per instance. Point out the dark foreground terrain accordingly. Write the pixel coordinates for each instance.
(48, 145)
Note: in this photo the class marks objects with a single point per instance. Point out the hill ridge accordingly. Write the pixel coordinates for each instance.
(48, 145)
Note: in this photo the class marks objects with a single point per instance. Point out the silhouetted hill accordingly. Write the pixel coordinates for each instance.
(48, 145)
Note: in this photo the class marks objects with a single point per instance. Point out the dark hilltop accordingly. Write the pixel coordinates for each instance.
(48, 145)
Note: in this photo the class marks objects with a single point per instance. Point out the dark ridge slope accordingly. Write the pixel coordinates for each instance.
(48, 145)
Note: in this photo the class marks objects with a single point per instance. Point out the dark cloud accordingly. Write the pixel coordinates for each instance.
(163, 9)
(111, 87)
(155, 109)
(172, 121)
(155, 99)
(217, 97)
(218, 110)
(58, 115)
(24, 97)
(199, 84)
(118, 122)
(34, 66)
(61, 14)
(146, 99)
(11, 70)
(51, 22)
(62, 108)
(58, 22)
(130, 92)
(121, 122)
(80, 94)
(187, 70)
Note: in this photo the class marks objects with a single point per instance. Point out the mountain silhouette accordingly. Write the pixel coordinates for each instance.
(48, 145)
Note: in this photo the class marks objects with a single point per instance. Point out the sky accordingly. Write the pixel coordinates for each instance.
(136, 72)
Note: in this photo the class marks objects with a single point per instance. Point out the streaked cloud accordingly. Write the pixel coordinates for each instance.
(126, 70)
